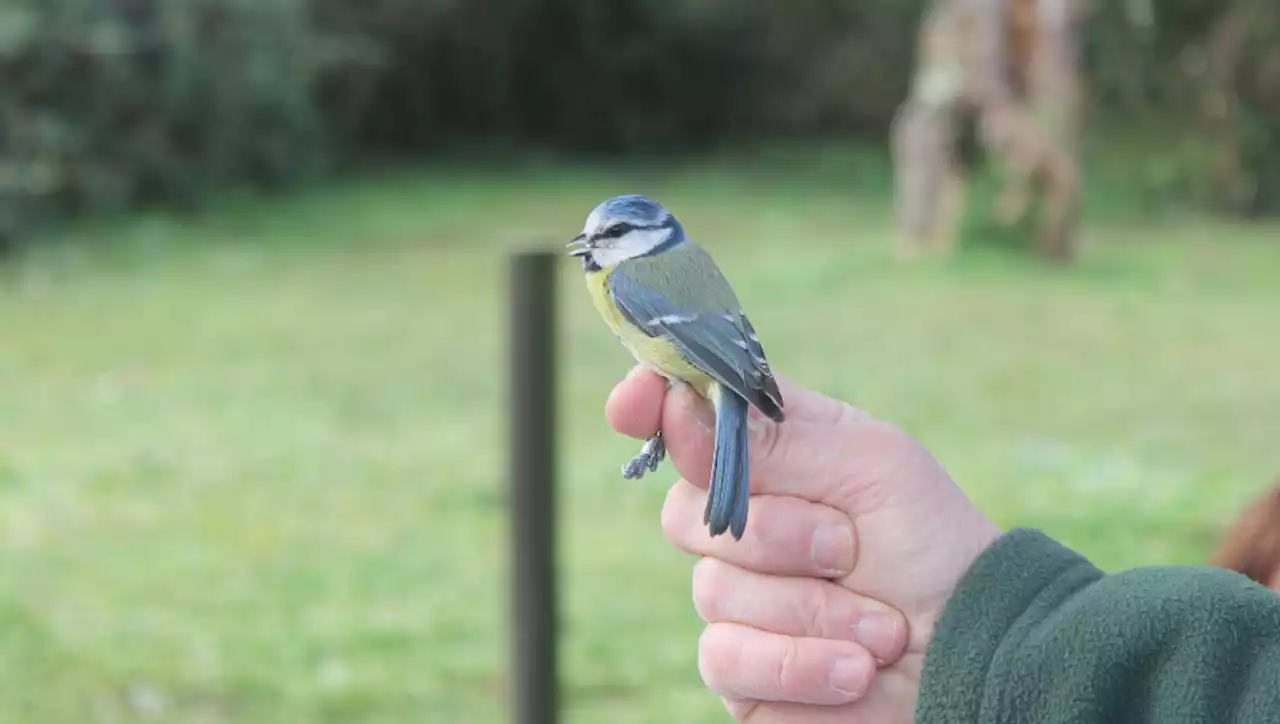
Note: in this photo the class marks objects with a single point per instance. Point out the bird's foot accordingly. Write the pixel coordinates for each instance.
(651, 455)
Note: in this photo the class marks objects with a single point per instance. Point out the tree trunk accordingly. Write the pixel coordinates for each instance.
(1014, 65)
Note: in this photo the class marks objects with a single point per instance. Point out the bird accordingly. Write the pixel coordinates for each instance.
(671, 307)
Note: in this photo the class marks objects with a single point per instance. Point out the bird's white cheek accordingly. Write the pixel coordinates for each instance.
(610, 257)
(635, 244)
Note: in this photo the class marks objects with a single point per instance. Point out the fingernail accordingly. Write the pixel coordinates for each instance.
(849, 676)
(878, 633)
(832, 550)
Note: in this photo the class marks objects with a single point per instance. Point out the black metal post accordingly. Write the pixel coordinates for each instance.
(532, 479)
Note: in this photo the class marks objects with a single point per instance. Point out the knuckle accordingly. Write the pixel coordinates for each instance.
(816, 611)
(717, 658)
(706, 659)
(787, 673)
(708, 585)
(674, 517)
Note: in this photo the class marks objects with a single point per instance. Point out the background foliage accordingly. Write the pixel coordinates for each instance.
(249, 458)
(113, 104)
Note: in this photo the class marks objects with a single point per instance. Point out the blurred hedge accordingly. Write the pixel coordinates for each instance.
(108, 104)
(112, 104)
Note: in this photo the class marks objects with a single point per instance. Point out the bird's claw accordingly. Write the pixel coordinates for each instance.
(651, 455)
(634, 468)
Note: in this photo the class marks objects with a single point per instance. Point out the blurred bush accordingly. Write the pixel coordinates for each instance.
(109, 104)
(590, 76)
(113, 104)
(1204, 75)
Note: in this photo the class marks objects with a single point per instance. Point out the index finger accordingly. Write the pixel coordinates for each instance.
(634, 407)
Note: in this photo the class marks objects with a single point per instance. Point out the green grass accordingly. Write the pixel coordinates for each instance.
(251, 462)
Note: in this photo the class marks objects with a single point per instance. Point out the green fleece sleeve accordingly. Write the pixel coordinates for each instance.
(1035, 633)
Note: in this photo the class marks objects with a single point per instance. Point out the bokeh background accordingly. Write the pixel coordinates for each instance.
(251, 325)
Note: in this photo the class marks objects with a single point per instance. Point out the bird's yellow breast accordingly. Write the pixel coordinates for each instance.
(656, 352)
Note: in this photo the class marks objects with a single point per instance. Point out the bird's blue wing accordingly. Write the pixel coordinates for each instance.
(720, 342)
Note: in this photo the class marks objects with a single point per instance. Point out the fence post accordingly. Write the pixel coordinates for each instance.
(532, 381)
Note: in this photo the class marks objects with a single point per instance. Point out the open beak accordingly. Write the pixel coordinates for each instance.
(579, 246)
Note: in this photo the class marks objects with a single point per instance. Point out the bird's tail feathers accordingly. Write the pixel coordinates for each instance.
(729, 495)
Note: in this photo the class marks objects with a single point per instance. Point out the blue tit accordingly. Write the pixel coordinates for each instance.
(668, 304)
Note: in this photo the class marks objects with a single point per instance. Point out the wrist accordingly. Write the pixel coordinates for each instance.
(968, 543)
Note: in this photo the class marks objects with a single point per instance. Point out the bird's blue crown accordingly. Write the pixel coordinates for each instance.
(632, 207)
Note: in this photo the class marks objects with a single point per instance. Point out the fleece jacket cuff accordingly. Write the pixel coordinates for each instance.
(1018, 577)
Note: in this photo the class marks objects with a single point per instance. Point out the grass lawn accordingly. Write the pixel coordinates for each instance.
(251, 463)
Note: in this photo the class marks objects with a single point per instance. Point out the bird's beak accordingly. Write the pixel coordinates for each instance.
(579, 246)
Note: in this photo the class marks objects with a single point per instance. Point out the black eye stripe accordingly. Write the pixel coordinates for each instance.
(624, 227)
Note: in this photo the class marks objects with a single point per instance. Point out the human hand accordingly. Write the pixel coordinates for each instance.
(853, 526)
